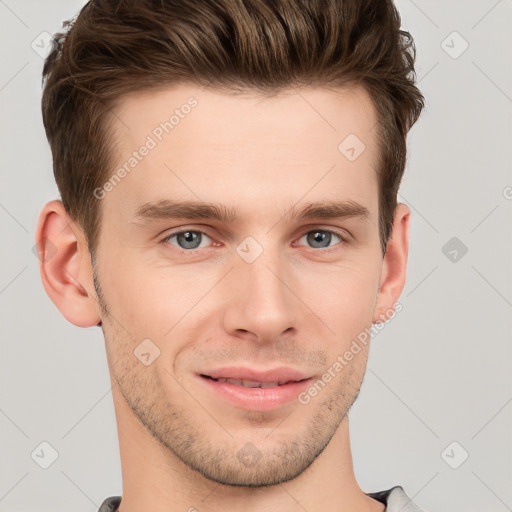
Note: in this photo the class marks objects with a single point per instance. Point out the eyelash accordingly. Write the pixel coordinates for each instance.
(344, 239)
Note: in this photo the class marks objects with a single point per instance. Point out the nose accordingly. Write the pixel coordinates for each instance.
(261, 302)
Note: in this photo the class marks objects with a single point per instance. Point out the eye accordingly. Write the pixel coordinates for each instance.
(190, 239)
(187, 240)
(321, 238)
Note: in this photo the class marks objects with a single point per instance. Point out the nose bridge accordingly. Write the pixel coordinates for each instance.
(261, 299)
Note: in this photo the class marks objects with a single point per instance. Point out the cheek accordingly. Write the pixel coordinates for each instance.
(154, 300)
(345, 301)
(158, 302)
(131, 293)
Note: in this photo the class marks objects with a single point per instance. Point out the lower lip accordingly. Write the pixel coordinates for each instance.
(257, 399)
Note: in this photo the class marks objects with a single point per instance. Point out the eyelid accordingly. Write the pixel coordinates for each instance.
(344, 236)
(184, 230)
(341, 232)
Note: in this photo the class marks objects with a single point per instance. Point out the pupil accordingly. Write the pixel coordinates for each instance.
(317, 237)
(189, 240)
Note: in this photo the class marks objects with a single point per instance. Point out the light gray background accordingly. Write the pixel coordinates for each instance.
(439, 372)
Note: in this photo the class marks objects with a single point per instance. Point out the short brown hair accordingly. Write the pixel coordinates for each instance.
(113, 48)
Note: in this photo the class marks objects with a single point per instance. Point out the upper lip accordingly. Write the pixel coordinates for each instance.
(280, 374)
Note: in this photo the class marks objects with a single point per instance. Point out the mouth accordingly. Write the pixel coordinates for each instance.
(252, 383)
(255, 391)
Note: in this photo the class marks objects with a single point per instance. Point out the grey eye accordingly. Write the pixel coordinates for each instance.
(320, 238)
(187, 239)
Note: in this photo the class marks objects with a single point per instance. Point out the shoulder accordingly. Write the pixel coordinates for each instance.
(110, 504)
(396, 500)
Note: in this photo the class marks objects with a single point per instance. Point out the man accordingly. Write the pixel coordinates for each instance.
(229, 173)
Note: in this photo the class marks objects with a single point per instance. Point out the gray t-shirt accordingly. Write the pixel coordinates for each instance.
(395, 500)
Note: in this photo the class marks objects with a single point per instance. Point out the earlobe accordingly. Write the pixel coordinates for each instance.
(394, 266)
(65, 266)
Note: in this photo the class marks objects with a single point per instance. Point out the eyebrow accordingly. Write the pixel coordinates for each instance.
(168, 209)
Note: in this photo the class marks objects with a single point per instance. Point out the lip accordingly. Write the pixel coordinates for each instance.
(256, 399)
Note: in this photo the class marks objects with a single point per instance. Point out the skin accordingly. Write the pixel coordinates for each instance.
(298, 304)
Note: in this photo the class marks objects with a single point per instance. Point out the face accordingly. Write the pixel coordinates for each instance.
(269, 284)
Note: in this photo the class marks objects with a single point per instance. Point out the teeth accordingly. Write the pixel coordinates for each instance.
(269, 384)
(251, 383)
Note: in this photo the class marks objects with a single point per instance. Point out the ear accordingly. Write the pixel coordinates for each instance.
(65, 266)
(392, 277)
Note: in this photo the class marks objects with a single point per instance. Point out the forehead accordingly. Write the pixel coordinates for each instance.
(191, 143)
(312, 112)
